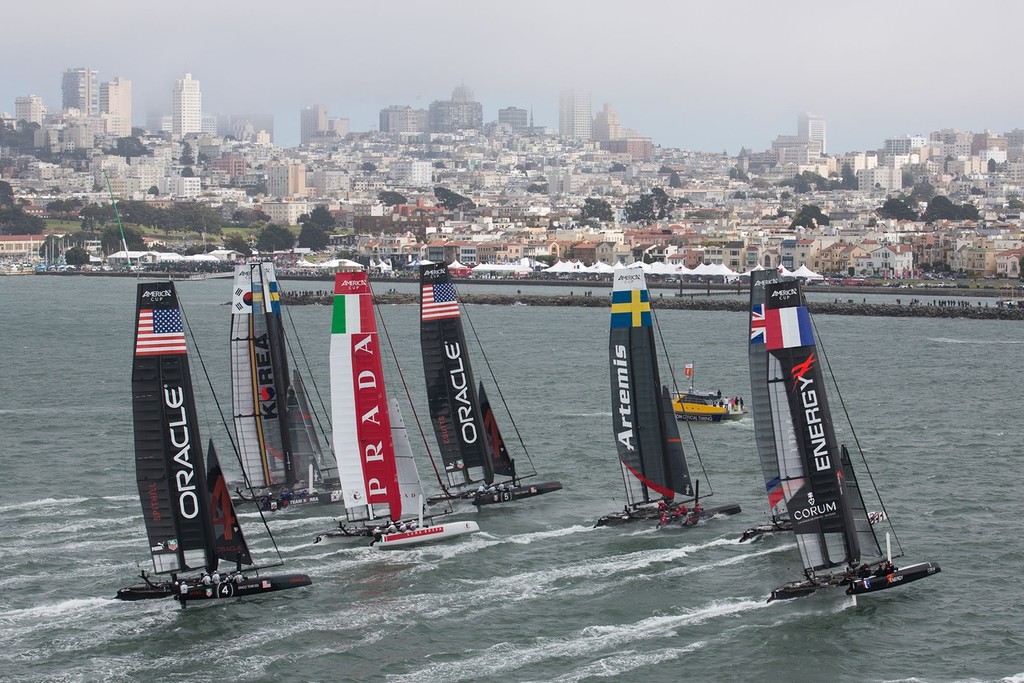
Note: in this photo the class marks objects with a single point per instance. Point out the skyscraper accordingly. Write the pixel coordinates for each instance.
(574, 115)
(29, 108)
(186, 108)
(461, 112)
(312, 120)
(399, 119)
(515, 118)
(116, 106)
(80, 90)
(811, 128)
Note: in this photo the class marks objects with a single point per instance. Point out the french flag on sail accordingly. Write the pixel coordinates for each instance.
(786, 328)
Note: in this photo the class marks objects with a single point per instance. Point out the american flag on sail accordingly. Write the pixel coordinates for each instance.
(439, 301)
(159, 332)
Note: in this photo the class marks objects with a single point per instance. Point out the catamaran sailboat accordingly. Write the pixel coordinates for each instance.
(468, 437)
(812, 474)
(281, 456)
(654, 468)
(382, 492)
(190, 520)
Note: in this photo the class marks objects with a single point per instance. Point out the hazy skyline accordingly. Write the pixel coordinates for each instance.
(708, 76)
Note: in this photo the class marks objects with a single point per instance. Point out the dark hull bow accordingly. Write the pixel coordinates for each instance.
(516, 493)
(654, 515)
(196, 590)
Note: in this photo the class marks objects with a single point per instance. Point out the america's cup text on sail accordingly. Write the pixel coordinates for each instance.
(372, 452)
(457, 377)
(188, 502)
(625, 436)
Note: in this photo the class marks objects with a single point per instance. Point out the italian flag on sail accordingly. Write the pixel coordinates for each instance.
(353, 308)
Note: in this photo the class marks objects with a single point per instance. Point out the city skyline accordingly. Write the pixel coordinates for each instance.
(709, 78)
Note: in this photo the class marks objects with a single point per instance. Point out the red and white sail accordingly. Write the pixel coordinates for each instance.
(361, 423)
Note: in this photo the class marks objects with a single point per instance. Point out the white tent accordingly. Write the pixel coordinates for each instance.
(341, 264)
(303, 263)
(565, 267)
(785, 272)
(202, 258)
(502, 268)
(806, 273)
(455, 265)
(602, 268)
(169, 257)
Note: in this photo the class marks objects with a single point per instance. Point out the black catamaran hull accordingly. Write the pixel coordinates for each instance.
(511, 494)
(654, 515)
(773, 527)
(892, 579)
(281, 502)
(878, 581)
(226, 589)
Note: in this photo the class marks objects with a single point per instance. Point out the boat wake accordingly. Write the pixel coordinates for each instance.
(947, 340)
(503, 658)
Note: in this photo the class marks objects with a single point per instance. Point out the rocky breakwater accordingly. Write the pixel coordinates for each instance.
(696, 303)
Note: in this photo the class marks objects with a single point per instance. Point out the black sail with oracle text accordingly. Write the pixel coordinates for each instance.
(451, 391)
(169, 466)
(809, 457)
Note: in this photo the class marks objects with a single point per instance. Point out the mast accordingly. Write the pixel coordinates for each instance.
(757, 358)
(809, 459)
(455, 410)
(169, 466)
(360, 415)
(643, 422)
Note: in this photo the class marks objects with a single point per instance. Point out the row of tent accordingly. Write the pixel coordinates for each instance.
(525, 265)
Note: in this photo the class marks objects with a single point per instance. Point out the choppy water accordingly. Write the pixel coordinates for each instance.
(539, 595)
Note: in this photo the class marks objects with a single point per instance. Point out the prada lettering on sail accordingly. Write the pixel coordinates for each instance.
(181, 445)
(370, 413)
(459, 382)
(625, 405)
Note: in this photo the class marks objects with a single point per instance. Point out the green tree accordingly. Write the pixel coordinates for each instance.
(808, 216)
(391, 198)
(320, 218)
(14, 221)
(110, 239)
(187, 172)
(368, 167)
(6, 194)
(848, 178)
(275, 238)
(941, 208)
(897, 208)
(256, 190)
(238, 243)
(663, 205)
(153, 190)
(313, 237)
(674, 181)
(188, 157)
(596, 211)
(641, 210)
(452, 200)
(76, 256)
(991, 165)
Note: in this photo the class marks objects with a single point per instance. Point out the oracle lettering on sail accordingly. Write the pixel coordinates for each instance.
(183, 471)
(624, 434)
(459, 385)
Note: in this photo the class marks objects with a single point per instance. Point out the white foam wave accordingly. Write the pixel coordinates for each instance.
(947, 340)
(500, 659)
(621, 663)
(42, 503)
(54, 609)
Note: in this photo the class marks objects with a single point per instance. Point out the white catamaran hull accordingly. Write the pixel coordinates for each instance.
(427, 534)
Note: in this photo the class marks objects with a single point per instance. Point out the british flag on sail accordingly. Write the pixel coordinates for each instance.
(757, 324)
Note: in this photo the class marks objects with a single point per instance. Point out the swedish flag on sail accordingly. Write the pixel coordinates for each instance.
(631, 308)
(275, 297)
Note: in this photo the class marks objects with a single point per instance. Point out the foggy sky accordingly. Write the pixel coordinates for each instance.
(697, 75)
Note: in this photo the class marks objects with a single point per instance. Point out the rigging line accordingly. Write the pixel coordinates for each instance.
(223, 421)
(856, 440)
(675, 392)
(309, 369)
(497, 386)
(408, 395)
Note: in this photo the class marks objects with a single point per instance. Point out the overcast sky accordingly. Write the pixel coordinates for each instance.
(710, 76)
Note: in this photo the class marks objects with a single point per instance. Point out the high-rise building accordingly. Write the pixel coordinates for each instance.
(397, 119)
(29, 108)
(286, 180)
(461, 112)
(575, 120)
(607, 125)
(116, 106)
(515, 118)
(186, 107)
(312, 120)
(80, 89)
(811, 128)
